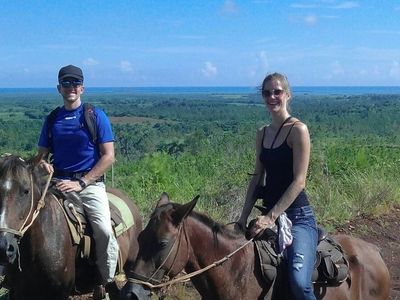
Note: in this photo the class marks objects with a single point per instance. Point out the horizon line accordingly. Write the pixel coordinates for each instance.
(201, 86)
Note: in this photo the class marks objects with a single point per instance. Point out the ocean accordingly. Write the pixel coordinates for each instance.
(297, 90)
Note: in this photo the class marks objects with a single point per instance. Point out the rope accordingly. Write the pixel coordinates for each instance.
(192, 274)
(40, 205)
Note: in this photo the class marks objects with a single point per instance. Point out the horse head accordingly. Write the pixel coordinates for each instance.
(163, 248)
(19, 193)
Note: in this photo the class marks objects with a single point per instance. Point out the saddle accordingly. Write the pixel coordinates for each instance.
(330, 269)
(79, 227)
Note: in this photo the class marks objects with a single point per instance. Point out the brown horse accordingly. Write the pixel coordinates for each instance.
(40, 259)
(177, 238)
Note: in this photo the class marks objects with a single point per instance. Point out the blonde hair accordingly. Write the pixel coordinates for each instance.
(282, 79)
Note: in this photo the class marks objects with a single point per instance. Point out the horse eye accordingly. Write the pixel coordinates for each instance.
(163, 243)
(26, 192)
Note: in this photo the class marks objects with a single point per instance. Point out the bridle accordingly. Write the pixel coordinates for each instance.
(154, 284)
(32, 215)
(19, 233)
(151, 280)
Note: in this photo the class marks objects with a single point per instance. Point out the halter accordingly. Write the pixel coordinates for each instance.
(150, 279)
(24, 227)
(153, 284)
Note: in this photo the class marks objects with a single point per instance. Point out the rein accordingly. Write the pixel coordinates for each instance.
(186, 277)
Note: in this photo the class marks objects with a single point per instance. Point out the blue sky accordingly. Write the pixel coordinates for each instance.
(200, 43)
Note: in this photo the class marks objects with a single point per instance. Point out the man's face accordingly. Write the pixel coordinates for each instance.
(71, 89)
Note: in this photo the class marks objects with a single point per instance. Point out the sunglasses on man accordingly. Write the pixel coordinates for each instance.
(71, 83)
(269, 93)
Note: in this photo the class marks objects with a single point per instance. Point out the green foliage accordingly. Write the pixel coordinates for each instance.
(204, 144)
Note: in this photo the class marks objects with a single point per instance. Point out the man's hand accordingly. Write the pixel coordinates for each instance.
(69, 186)
(46, 166)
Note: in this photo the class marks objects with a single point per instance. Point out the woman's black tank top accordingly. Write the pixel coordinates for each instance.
(278, 163)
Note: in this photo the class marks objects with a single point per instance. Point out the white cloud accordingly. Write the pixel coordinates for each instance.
(189, 37)
(329, 17)
(302, 5)
(346, 5)
(337, 68)
(209, 70)
(260, 68)
(229, 7)
(90, 62)
(184, 49)
(263, 61)
(326, 4)
(395, 70)
(376, 71)
(388, 32)
(126, 66)
(310, 19)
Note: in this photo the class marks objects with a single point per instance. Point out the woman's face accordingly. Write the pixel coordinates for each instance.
(275, 96)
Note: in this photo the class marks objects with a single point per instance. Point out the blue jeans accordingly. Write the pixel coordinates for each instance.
(300, 255)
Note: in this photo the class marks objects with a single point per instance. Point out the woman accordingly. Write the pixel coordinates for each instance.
(282, 154)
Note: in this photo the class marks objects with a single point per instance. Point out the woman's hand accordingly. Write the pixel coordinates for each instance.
(262, 222)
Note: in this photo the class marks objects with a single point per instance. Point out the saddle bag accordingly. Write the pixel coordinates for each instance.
(331, 266)
(269, 260)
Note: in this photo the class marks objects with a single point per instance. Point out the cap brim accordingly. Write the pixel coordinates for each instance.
(70, 76)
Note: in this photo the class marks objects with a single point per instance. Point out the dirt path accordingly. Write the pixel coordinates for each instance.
(383, 232)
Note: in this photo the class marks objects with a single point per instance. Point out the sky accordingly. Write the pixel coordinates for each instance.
(148, 43)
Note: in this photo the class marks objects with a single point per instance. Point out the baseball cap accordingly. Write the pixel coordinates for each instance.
(70, 71)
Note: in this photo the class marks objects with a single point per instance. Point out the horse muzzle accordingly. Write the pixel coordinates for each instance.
(8, 248)
(134, 291)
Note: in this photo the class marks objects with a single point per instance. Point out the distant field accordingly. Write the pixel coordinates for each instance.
(137, 120)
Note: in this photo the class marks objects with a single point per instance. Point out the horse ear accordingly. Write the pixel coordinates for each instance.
(34, 161)
(183, 211)
(164, 199)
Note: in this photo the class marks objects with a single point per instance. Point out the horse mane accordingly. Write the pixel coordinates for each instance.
(15, 166)
(216, 227)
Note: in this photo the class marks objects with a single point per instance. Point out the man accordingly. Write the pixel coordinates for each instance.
(80, 163)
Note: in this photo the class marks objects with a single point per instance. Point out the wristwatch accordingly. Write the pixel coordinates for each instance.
(82, 183)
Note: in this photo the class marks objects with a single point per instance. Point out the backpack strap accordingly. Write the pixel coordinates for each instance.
(90, 120)
(51, 119)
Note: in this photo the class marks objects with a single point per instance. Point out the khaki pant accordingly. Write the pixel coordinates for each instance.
(97, 210)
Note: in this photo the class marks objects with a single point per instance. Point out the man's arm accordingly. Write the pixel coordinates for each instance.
(106, 160)
(44, 152)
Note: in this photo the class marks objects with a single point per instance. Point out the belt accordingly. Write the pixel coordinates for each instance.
(75, 175)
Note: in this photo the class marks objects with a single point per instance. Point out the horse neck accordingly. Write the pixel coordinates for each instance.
(204, 250)
(207, 246)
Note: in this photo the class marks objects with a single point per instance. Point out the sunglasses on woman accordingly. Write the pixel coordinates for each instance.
(269, 93)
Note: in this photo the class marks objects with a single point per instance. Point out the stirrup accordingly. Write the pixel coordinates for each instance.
(99, 293)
